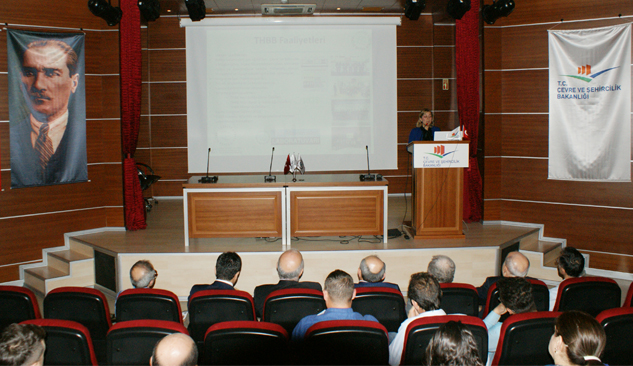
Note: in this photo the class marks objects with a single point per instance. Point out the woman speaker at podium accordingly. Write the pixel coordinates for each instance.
(424, 129)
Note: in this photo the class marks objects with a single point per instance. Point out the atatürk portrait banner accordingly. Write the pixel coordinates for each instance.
(47, 108)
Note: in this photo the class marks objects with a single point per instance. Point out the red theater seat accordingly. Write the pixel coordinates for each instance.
(147, 303)
(287, 306)
(67, 342)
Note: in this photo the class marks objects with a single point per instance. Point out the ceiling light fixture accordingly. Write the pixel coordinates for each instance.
(103, 9)
(498, 9)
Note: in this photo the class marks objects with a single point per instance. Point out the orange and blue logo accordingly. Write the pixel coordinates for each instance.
(586, 70)
(440, 151)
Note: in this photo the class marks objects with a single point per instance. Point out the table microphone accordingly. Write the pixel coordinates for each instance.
(369, 176)
(207, 179)
(270, 177)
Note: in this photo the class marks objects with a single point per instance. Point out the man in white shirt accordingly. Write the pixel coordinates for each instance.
(570, 264)
(425, 294)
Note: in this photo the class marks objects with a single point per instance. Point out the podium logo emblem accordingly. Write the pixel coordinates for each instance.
(439, 151)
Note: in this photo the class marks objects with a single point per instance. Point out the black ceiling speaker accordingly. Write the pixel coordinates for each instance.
(413, 8)
(103, 9)
(150, 9)
(196, 8)
(457, 8)
(498, 9)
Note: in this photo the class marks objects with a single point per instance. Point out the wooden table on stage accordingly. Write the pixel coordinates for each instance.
(315, 205)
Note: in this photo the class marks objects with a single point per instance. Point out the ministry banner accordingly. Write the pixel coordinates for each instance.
(590, 104)
(47, 108)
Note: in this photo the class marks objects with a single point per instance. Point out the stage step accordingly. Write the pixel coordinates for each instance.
(64, 266)
(542, 255)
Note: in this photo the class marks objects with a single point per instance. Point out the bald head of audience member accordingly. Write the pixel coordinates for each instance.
(338, 290)
(442, 268)
(372, 269)
(175, 350)
(143, 274)
(22, 345)
(290, 265)
(515, 265)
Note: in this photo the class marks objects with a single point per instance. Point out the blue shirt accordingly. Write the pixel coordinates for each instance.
(328, 314)
(416, 133)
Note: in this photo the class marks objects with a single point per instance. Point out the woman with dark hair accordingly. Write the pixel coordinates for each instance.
(454, 345)
(578, 339)
(425, 127)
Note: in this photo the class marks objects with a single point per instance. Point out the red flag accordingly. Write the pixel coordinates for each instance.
(287, 166)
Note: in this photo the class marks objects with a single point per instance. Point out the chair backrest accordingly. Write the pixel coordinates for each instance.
(147, 303)
(214, 306)
(16, 305)
(287, 307)
(524, 339)
(346, 342)
(421, 330)
(589, 294)
(617, 324)
(67, 342)
(540, 292)
(245, 343)
(629, 296)
(384, 303)
(459, 298)
(83, 305)
(132, 342)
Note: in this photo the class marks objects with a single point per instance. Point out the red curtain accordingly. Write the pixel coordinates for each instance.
(467, 67)
(130, 49)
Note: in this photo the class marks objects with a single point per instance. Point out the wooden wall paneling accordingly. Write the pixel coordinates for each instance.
(592, 228)
(443, 35)
(492, 91)
(491, 42)
(145, 65)
(491, 175)
(493, 136)
(10, 273)
(445, 99)
(525, 91)
(399, 184)
(525, 47)
(4, 145)
(444, 62)
(43, 231)
(168, 188)
(492, 210)
(414, 94)
(165, 32)
(111, 96)
(64, 14)
(4, 98)
(169, 98)
(169, 131)
(525, 135)
(446, 120)
(168, 65)
(545, 11)
(143, 133)
(112, 181)
(5, 183)
(406, 122)
(115, 217)
(526, 179)
(94, 141)
(144, 156)
(415, 62)
(3, 54)
(99, 59)
(145, 98)
(113, 151)
(170, 163)
(416, 32)
(94, 96)
(610, 262)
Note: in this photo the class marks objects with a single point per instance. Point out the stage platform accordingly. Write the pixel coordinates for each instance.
(180, 267)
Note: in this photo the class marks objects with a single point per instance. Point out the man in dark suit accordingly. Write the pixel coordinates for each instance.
(371, 273)
(290, 270)
(227, 270)
(515, 265)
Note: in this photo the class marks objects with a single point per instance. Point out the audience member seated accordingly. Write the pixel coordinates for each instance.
(578, 339)
(515, 294)
(227, 270)
(371, 273)
(442, 268)
(290, 270)
(143, 274)
(338, 292)
(453, 344)
(570, 264)
(22, 345)
(425, 295)
(176, 349)
(515, 265)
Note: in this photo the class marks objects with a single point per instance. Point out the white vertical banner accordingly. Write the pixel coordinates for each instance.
(590, 104)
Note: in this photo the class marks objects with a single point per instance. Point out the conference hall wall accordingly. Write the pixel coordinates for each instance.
(594, 217)
(425, 52)
(32, 219)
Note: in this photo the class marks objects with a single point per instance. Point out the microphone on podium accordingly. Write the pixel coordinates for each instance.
(270, 177)
(207, 179)
(369, 176)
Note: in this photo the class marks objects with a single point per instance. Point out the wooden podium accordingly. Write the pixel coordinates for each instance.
(437, 191)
